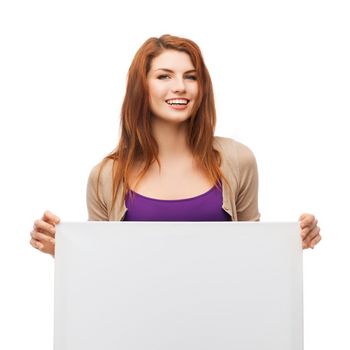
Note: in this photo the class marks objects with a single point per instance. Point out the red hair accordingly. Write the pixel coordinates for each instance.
(137, 142)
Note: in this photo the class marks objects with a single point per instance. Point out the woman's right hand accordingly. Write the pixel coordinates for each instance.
(43, 234)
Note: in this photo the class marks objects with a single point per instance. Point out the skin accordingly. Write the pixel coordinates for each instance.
(178, 166)
(169, 130)
(172, 75)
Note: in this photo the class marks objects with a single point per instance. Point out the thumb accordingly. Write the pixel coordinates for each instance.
(51, 218)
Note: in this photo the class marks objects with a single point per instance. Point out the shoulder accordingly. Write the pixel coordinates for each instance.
(99, 191)
(234, 152)
(101, 179)
(103, 170)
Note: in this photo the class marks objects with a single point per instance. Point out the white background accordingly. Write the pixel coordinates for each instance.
(281, 77)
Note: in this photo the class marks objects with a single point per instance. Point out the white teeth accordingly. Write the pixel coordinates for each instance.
(177, 102)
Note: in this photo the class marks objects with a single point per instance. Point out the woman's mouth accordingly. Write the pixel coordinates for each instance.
(178, 103)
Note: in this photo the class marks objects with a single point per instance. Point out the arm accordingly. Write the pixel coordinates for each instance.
(248, 185)
(247, 198)
(96, 206)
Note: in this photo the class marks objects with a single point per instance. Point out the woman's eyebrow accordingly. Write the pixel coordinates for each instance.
(170, 71)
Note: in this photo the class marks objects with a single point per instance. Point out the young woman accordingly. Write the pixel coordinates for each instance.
(168, 165)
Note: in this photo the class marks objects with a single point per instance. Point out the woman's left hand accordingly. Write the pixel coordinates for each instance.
(309, 231)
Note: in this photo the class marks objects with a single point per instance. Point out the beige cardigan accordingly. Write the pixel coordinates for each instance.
(238, 165)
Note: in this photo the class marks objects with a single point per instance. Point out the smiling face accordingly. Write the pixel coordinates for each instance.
(173, 86)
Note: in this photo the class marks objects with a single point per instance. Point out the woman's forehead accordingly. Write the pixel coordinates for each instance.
(173, 60)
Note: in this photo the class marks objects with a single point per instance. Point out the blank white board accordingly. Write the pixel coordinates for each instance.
(178, 286)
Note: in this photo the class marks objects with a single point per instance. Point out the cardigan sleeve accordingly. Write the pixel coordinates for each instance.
(248, 185)
(96, 206)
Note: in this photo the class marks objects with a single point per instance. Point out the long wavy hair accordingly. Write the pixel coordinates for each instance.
(136, 140)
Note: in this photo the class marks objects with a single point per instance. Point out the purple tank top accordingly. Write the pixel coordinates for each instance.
(205, 207)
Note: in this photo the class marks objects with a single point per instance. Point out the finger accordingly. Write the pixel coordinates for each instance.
(315, 241)
(307, 220)
(44, 227)
(308, 223)
(304, 233)
(312, 234)
(36, 244)
(50, 217)
(305, 244)
(42, 237)
(312, 239)
(306, 230)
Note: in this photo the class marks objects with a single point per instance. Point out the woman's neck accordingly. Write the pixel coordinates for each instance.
(171, 139)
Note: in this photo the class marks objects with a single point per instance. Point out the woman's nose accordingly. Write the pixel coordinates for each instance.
(179, 85)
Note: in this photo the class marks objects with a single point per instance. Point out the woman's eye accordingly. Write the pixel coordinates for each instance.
(166, 76)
